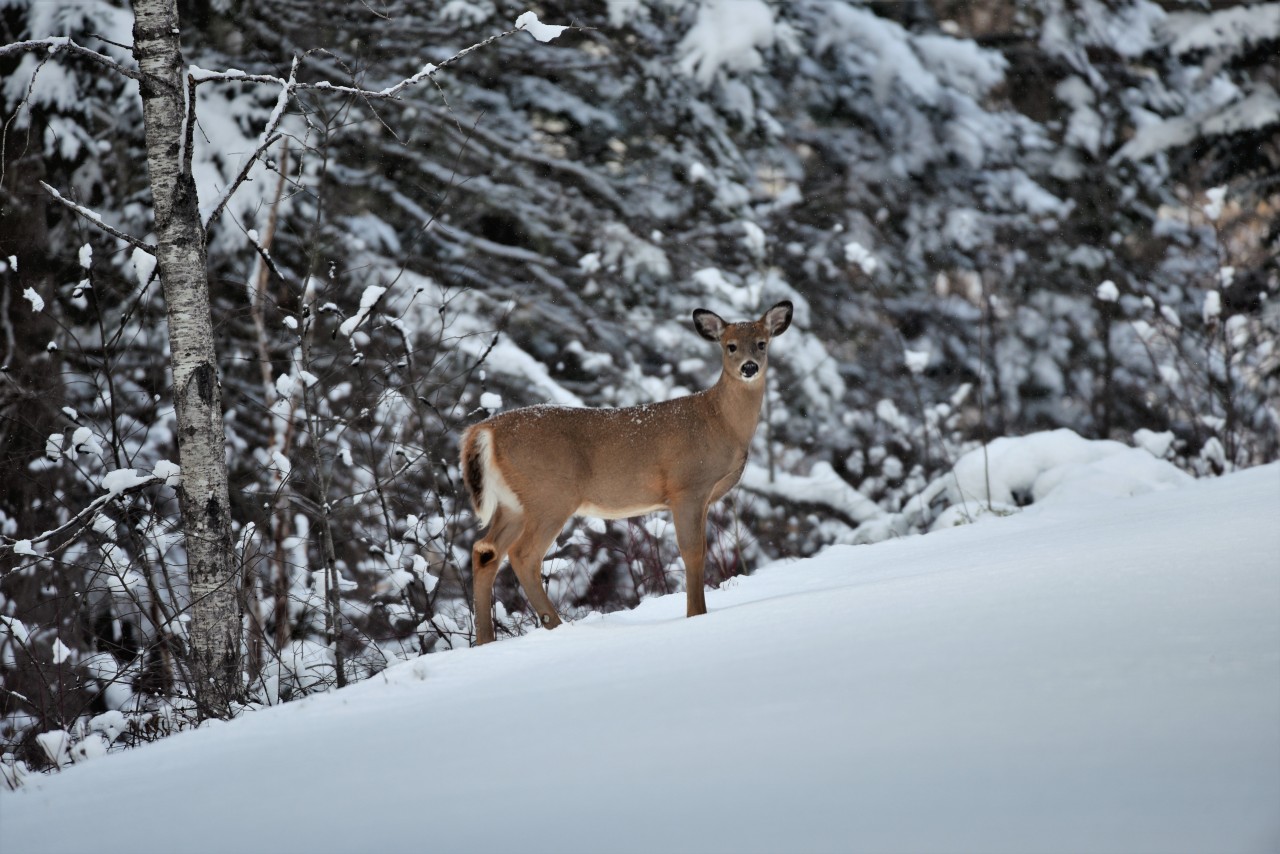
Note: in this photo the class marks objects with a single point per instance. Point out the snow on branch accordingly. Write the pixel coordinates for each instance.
(1230, 30)
(116, 483)
(96, 218)
(267, 139)
(368, 301)
(542, 32)
(528, 22)
(62, 44)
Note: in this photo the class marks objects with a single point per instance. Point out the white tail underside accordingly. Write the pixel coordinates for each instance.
(495, 490)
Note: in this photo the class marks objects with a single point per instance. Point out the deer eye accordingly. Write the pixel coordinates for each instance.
(733, 348)
(760, 346)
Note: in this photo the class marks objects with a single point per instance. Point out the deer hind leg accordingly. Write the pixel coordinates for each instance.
(691, 535)
(526, 559)
(486, 559)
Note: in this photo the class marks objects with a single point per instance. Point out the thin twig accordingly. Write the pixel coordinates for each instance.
(96, 219)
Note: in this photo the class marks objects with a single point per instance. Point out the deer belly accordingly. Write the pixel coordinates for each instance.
(617, 511)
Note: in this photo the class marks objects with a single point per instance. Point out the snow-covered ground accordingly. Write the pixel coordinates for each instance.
(1095, 673)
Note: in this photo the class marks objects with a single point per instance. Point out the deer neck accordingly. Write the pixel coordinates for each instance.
(737, 405)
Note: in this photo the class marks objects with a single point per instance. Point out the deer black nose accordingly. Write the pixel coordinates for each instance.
(750, 369)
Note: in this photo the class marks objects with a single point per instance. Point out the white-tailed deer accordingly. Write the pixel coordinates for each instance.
(529, 470)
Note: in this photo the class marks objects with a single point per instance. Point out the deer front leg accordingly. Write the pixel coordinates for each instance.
(691, 535)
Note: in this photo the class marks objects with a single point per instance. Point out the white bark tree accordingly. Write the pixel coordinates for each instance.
(180, 255)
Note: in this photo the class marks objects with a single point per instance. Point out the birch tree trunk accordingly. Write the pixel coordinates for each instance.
(215, 621)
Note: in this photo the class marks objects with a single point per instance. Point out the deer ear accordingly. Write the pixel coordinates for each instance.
(778, 318)
(709, 324)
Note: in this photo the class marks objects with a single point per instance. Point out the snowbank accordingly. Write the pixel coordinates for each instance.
(1102, 674)
(1054, 466)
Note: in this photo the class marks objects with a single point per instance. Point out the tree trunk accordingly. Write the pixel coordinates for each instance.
(180, 240)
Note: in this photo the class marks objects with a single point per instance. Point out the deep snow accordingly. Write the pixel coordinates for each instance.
(1094, 674)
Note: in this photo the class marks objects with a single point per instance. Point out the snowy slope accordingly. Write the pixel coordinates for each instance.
(1100, 674)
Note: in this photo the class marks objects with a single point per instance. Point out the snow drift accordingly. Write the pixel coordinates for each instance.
(1095, 673)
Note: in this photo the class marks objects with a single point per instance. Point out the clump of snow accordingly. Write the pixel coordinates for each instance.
(754, 239)
(86, 256)
(90, 747)
(465, 12)
(637, 257)
(144, 264)
(727, 34)
(56, 745)
(491, 401)
(368, 300)
(420, 568)
(1107, 291)
(61, 652)
(1214, 454)
(110, 724)
(714, 283)
(1156, 444)
(589, 359)
(856, 253)
(115, 691)
(916, 360)
(542, 32)
(23, 547)
(285, 385)
(37, 302)
(281, 463)
(1212, 306)
(1086, 128)
(1213, 206)
(169, 472)
(963, 63)
(84, 442)
(16, 627)
(119, 480)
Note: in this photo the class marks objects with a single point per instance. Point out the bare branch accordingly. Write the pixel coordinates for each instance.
(95, 218)
(261, 249)
(240, 179)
